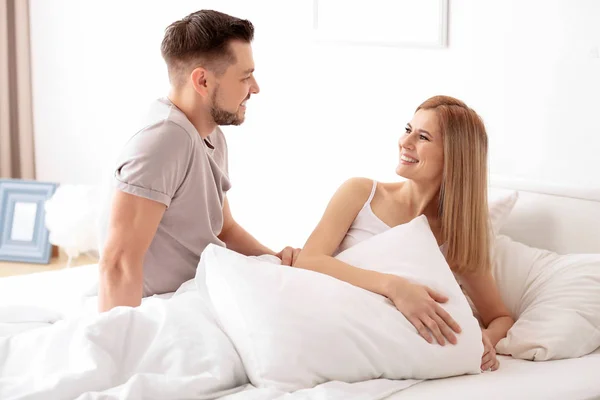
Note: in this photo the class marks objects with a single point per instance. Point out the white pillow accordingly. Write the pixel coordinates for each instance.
(554, 298)
(296, 328)
(500, 204)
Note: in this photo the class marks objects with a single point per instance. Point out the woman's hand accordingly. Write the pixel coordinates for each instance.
(488, 360)
(288, 256)
(419, 304)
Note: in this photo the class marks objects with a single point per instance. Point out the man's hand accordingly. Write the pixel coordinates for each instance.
(288, 256)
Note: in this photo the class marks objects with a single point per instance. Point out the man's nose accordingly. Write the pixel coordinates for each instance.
(254, 88)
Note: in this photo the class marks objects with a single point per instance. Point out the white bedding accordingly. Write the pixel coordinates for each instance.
(572, 378)
(41, 299)
(148, 351)
(575, 378)
(51, 295)
(159, 362)
(168, 348)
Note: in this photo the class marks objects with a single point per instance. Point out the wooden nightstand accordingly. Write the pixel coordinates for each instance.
(58, 261)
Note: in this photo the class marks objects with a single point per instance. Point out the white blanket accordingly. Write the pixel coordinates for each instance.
(165, 349)
(168, 349)
(175, 348)
(40, 299)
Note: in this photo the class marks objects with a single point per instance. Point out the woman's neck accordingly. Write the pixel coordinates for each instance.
(421, 198)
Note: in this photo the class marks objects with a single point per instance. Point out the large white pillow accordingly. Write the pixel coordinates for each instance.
(555, 300)
(296, 328)
(500, 204)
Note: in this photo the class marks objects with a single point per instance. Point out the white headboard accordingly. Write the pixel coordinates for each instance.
(558, 218)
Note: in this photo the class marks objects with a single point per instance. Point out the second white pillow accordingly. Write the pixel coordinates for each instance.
(554, 298)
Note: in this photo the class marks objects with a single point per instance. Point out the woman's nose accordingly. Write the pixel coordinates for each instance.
(407, 141)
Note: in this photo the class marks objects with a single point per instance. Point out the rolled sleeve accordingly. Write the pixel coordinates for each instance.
(155, 162)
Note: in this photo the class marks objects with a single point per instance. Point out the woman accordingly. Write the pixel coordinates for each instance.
(443, 156)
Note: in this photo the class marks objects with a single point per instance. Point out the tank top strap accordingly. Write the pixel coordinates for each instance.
(372, 193)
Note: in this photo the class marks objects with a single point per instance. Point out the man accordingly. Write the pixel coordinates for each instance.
(171, 179)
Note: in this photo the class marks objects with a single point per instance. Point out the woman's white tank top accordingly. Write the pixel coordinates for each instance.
(365, 225)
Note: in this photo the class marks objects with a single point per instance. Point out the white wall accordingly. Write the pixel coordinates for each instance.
(530, 68)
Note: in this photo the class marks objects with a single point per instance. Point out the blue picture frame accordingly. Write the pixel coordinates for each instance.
(24, 199)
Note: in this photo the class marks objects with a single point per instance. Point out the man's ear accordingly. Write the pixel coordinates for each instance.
(199, 78)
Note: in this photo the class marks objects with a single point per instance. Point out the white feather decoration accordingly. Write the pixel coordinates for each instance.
(71, 217)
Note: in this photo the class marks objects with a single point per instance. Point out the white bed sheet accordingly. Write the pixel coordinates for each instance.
(572, 379)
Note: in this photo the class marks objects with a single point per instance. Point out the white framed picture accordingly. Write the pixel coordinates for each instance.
(398, 23)
(23, 233)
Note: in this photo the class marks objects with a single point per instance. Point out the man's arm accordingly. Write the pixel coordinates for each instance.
(237, 239)
(132, 225)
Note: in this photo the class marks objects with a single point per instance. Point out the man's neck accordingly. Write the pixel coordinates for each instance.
(198, 115)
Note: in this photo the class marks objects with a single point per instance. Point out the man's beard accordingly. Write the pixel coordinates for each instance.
(221, 116)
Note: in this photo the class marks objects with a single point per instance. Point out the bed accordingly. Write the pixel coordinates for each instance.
(560, 219)
(518, 379)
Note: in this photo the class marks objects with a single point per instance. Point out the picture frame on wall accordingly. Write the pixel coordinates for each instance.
(393, 23)
(23, 233)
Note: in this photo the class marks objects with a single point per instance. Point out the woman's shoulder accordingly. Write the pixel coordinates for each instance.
(366, 184)
(354, 190)
(360, 188)
(357, 186)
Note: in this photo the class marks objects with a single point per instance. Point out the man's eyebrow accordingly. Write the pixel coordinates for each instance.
(248, 71)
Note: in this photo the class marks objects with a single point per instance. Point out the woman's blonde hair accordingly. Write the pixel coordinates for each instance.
(463, 192)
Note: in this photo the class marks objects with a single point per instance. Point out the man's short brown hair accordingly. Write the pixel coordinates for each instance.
(202, 38)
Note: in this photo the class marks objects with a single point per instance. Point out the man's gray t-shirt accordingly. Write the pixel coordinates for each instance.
(169, 162)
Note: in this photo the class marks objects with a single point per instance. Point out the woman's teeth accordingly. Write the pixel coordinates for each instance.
(408, 159)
